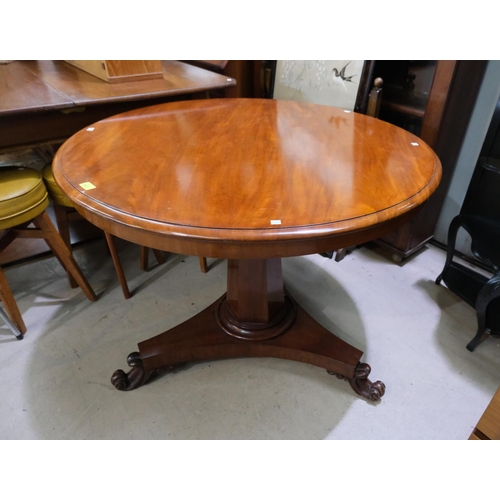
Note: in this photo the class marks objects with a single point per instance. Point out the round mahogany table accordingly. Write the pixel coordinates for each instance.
(250, 180)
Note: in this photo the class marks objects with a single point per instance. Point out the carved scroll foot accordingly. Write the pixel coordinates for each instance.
(137, 376)
(372, 391)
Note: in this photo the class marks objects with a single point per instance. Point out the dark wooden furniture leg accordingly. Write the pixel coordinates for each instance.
(255, 318)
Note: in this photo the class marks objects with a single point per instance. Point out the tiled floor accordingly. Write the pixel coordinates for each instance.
(56, 382)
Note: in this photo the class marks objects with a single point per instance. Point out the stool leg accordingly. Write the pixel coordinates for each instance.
(57, 245)
(118, 265)
(159, 256)
(144, 258)
(203, 264)
(10, 304)
(62, 224)
(144, 263)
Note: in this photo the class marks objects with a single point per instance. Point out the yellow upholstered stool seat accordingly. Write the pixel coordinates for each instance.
(22, 196)
(55, 191)
(23, 200)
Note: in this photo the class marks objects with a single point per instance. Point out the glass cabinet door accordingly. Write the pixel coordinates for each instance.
(407, 87)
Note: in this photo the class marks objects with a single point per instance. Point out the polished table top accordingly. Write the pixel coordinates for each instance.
(246, 170)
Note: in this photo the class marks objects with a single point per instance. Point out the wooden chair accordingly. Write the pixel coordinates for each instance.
(65, 211)
(375, 98)
(480, 217)
(23, 200)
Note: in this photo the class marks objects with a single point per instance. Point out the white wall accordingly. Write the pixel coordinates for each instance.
(476, 132)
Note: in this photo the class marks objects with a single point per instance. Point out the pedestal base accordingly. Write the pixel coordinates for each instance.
(203, 338)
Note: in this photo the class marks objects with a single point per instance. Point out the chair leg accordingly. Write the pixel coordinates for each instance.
(118, 265)
(490, 291)
(144, 262)
(159, 256)
(57, 245)
(452, 237)
(10, 303)
(203, 264)
(61, 214)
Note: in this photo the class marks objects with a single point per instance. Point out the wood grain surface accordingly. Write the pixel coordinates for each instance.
(246, 178)
(85, 89)
(22, 91)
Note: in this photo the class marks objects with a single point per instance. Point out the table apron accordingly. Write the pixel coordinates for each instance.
(241, 249)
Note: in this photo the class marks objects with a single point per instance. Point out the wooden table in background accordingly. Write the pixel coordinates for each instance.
(48, 101)
(42, 103)
(250, 180)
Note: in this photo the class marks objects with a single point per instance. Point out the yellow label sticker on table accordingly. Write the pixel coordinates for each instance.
(87, 185)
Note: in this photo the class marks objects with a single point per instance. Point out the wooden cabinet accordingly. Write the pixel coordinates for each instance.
(434, 100)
